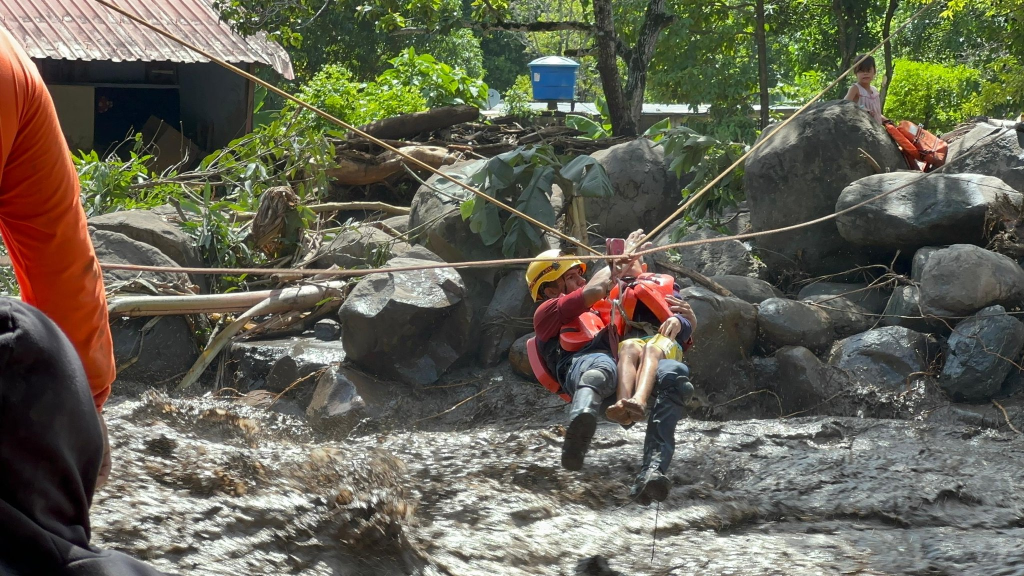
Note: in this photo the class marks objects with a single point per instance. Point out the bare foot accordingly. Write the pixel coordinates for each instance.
(618, 413)
(637, 411)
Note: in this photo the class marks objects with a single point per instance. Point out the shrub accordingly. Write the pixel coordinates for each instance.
(940, 97)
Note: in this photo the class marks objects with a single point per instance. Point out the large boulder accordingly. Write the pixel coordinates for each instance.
(646, 191)
(891, 357)
(782, 322)
(904, 309)
(990, 150)
(407, 326)
(117, 248)
(872, 299)
(804, 381)
(357, 247)
(725, 335)
(519, 358)
(748, 289)
(719, 258)
(437, 222)
(276, 364)
(925, 209)
(151, 352)
(509, 316)
(981, 353)
(798, 176)
(150, 228)
(847, 318)
(963, 279)
(344, 396)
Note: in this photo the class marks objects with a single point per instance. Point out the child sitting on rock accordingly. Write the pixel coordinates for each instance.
(639, 312)
(863, 93)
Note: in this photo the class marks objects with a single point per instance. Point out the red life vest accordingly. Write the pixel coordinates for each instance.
(541, 372)
(580, 332)
(650, 289)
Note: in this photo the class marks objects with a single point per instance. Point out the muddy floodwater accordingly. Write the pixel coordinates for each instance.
(219, 486)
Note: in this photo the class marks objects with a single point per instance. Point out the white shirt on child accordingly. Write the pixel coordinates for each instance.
(871, 101)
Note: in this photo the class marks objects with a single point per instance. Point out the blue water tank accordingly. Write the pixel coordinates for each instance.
(554, 78)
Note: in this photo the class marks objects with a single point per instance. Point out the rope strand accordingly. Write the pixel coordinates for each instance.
(343, 124)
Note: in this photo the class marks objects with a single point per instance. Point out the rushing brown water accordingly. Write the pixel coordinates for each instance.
(212, 486)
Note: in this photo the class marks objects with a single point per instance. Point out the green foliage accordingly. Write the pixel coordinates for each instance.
(593, 129)
(415, 83)
(517, 99)
(590, 128)
(704, 158)
(334, 91)
(460, 46)
(437, 82)
(112, 184)
(524, 178)
(940, 97)
(506, 57)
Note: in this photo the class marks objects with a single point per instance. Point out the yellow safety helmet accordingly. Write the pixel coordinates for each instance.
(544, 269)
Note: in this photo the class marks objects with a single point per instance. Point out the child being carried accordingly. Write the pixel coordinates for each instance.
(639, 312)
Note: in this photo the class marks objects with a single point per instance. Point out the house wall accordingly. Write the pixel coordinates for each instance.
(209, 105)
(76, 110)
(215, 104)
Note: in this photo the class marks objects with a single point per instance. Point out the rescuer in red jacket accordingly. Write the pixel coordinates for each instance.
(586, 374)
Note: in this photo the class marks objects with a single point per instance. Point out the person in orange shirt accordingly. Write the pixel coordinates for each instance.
(56, 353)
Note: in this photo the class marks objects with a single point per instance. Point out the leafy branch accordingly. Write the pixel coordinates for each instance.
(525, 178)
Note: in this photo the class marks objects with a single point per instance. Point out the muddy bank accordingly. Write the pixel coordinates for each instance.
(213, 486)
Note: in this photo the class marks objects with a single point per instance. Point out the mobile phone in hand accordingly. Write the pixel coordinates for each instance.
(614, 246)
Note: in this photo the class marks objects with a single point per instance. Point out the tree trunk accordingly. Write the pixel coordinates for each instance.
(886, 27)
(605, 38)
(762, 61)
(848, 32)
(656, 19)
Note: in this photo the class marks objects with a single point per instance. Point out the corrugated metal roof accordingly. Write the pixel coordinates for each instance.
(85, 30)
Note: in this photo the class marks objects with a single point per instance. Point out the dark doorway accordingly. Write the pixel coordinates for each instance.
(122, 112)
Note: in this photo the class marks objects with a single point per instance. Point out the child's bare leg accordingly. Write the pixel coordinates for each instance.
(629, 359)
(637, 405)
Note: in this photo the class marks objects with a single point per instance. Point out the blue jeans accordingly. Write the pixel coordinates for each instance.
(672, 389)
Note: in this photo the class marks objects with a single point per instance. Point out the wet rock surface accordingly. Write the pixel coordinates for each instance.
(749, 289)
(927, 210)
(802, 169)
(730, 257)
(982, 351)
(407, 326)
(873, 299)
(646, 191)
(992, 150)
(962, 279)
(893, 356)
(206, 486)
(782, 322)
(847, 318)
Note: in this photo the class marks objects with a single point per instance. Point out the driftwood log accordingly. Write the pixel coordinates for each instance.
(358, 169)
(409, 125)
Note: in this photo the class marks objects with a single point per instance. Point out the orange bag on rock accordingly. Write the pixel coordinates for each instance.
(923, 150)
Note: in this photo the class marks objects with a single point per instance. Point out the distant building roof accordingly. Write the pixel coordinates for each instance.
(85, 30)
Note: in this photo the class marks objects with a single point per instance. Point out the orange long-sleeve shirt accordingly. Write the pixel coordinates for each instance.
(42, 220)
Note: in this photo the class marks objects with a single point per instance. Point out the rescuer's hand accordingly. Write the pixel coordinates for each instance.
(682, 308)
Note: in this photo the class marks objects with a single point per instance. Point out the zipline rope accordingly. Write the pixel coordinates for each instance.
(778, 129)
(522, 261)
(342, 124)
(504, 262)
